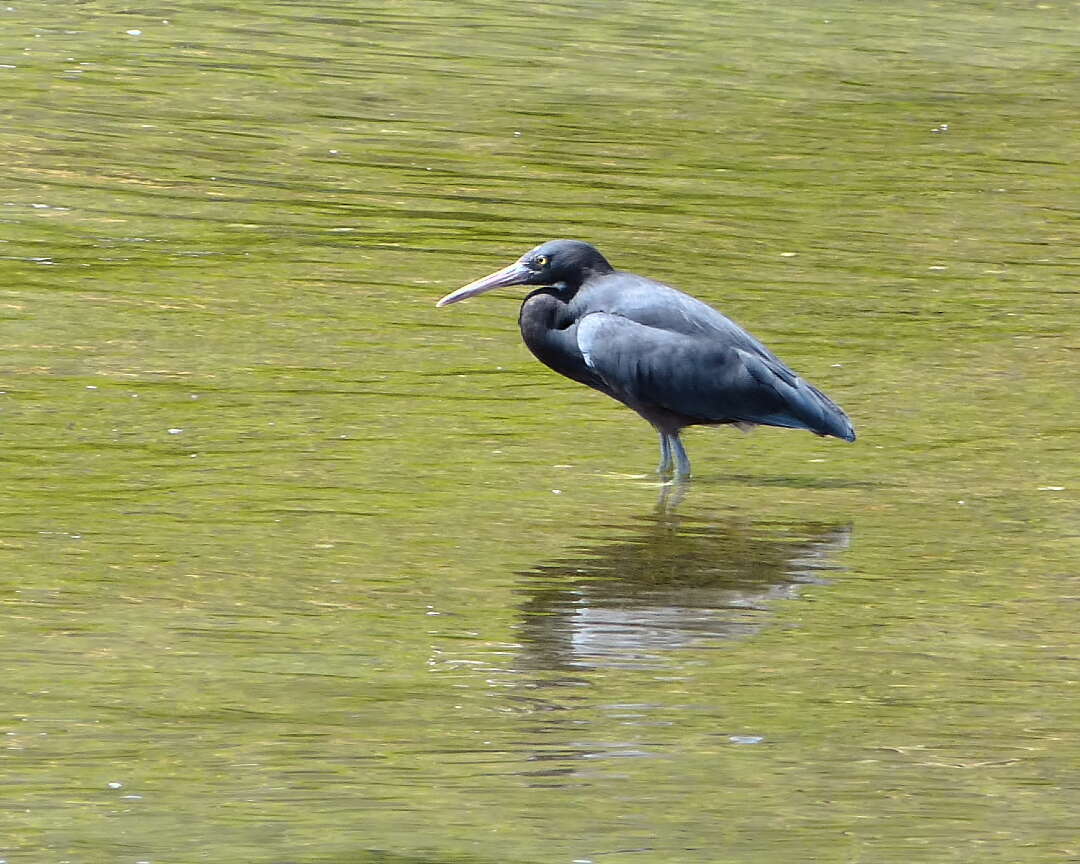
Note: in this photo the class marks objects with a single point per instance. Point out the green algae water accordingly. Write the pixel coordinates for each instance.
(296, 568)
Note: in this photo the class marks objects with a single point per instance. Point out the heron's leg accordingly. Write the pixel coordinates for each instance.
(665, 454)
(682, 461)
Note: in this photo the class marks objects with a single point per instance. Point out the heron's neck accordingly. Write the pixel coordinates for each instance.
(545, 309)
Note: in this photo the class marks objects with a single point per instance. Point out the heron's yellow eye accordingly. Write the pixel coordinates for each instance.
(542, 261)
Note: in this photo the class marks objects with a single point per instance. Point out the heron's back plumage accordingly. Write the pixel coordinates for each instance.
(655, 347)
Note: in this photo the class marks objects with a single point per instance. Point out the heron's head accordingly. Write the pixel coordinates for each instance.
(557, 262)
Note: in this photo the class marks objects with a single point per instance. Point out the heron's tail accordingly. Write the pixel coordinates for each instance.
(831, 419)
(804, 406)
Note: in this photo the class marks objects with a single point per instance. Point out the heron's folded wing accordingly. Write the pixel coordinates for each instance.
(707, 380)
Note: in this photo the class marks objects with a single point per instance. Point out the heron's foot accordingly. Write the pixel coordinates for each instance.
(672, 494)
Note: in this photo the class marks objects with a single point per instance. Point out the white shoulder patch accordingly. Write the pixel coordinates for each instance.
(587, 329)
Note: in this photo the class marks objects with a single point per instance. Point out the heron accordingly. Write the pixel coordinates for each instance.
(670, 357)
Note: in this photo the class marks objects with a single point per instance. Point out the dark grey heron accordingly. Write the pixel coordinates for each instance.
(673, 359)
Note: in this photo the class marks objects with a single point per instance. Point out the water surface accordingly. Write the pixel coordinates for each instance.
(297, 568)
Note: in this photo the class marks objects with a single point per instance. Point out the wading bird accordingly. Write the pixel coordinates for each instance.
(670, 357)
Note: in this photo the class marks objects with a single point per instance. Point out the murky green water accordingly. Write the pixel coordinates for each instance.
(295, 567)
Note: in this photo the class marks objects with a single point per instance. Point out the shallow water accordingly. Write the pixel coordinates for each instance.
(296, 567)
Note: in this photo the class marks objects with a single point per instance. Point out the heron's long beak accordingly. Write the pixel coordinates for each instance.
(516, 274)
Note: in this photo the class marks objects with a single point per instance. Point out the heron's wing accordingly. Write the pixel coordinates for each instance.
(655, 304)
(704, 378)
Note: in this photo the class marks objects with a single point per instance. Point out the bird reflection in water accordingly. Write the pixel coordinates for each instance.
(664, 582)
